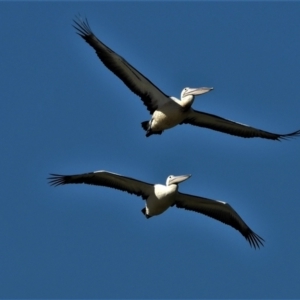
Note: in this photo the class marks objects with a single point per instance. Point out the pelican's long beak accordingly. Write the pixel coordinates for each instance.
(178, 179)
(197, 91)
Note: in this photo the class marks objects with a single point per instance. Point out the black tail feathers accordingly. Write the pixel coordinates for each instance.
(145, 125)
(144, 212)
(147, 128)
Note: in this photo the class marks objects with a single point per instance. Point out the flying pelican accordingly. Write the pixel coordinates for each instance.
(160, 197)
(166, 111)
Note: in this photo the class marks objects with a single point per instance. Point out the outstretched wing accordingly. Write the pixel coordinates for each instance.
(152, 96)
(220, 211)
(210, 121)
(107, 179)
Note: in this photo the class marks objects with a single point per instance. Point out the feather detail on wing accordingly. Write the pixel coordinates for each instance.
(220, 211)
(151, 95)
(107, 179)
(210, 121)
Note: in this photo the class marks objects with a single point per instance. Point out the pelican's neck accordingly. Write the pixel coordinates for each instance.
(172, 187)
(187, 101)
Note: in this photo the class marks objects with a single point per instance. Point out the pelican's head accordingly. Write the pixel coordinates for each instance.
(176, 179)
(195, 91)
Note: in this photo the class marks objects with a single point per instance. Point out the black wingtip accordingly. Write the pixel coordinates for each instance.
(55, 179)
(254, 239)
(82, 26)
(288, 135)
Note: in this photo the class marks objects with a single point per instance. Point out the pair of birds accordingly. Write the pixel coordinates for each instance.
(166, 112)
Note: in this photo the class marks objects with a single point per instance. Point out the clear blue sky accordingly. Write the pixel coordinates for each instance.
(63, 112)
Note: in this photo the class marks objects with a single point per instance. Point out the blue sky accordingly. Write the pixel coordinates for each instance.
(63, 112)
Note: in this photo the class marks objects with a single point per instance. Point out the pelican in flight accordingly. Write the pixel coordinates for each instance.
(160, 197)
(166, 111)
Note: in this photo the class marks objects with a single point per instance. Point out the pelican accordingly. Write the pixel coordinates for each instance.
(160, 197)
(166, 111)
